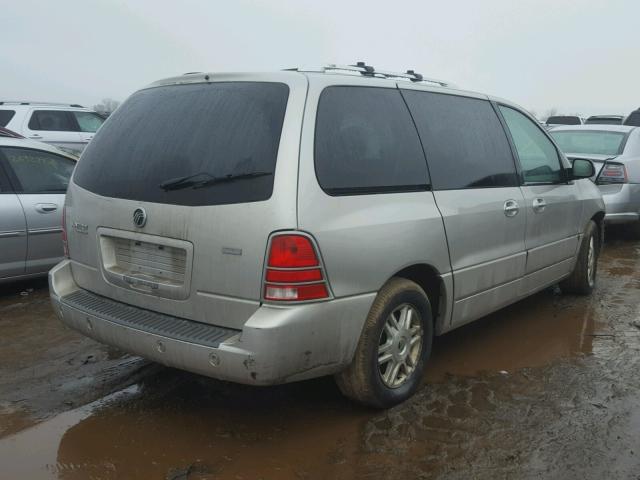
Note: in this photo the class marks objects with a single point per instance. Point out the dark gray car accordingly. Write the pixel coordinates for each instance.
(633, 119)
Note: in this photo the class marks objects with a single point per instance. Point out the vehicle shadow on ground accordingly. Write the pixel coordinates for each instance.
(24, 287)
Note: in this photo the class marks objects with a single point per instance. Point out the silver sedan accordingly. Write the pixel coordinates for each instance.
(33, 181)
(615, 150)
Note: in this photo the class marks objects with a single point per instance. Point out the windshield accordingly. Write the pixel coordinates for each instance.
(564, 120)
(229, 130)
(589, 141)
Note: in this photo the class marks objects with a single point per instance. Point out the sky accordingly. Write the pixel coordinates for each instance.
(576, 56)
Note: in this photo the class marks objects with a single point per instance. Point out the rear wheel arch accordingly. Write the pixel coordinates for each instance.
(430, 280)
(582, 279)
(385, 344)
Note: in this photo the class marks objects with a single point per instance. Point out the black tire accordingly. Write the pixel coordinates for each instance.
(582, 280)
(363, 380)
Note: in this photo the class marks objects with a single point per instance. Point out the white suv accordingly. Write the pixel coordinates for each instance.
(69, 127)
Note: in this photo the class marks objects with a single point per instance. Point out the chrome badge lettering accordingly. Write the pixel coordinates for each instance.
(81, 228)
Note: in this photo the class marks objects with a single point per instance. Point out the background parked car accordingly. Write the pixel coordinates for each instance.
(605, 120)
(633, 119)
(615, 149)
(555, 120)
(69, 127)
(33, 181)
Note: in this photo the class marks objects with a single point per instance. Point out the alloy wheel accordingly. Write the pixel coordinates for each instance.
(400, 345)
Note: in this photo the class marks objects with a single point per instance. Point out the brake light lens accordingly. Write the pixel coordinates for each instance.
(65, 245)
(288, 276)
(292, 251)
(294, 272)
(613, 173)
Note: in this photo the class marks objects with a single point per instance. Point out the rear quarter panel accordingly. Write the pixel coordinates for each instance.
(365, 239)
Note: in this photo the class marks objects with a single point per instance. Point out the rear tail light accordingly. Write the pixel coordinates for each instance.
(613, 173)
(294, 272)
(295, 293)
(65, 245)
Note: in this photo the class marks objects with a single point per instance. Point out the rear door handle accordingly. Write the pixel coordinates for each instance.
(539, 205)
(511, 208)
(35, 135)
(46, 207)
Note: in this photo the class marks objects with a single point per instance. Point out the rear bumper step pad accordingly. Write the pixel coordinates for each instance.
(148, 321)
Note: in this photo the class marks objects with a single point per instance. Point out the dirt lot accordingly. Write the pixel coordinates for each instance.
(547, 388)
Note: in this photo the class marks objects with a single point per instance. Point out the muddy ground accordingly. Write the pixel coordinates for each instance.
(547, 388)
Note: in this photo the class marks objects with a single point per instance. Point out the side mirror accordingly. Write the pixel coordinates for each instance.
(582, 169)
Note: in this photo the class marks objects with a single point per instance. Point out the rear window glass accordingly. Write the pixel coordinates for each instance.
(463, 138)
(604, 121)
(219, 133)
(590, 141)
(6, 116)
(563, 120)
(366, 143)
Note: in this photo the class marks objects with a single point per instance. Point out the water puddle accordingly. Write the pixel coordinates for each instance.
(175, 425)
(531, 333)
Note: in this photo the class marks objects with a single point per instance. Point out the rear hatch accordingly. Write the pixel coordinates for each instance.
(172, 203)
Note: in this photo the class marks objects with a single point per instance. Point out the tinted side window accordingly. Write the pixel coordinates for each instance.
(538, 156)
(52, 120)
(365, 142)
(88, 121)
(37, 171)
(6, 116)
(463, 138)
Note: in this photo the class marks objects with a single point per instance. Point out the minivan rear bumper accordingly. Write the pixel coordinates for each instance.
(276, 344)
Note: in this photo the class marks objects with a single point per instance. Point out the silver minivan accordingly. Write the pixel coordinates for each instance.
(274, 227)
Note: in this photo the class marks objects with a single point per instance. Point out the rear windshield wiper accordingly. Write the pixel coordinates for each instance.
(204, 179)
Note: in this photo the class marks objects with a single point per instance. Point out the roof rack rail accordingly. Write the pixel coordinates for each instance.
(53, 104)
(367, 70)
